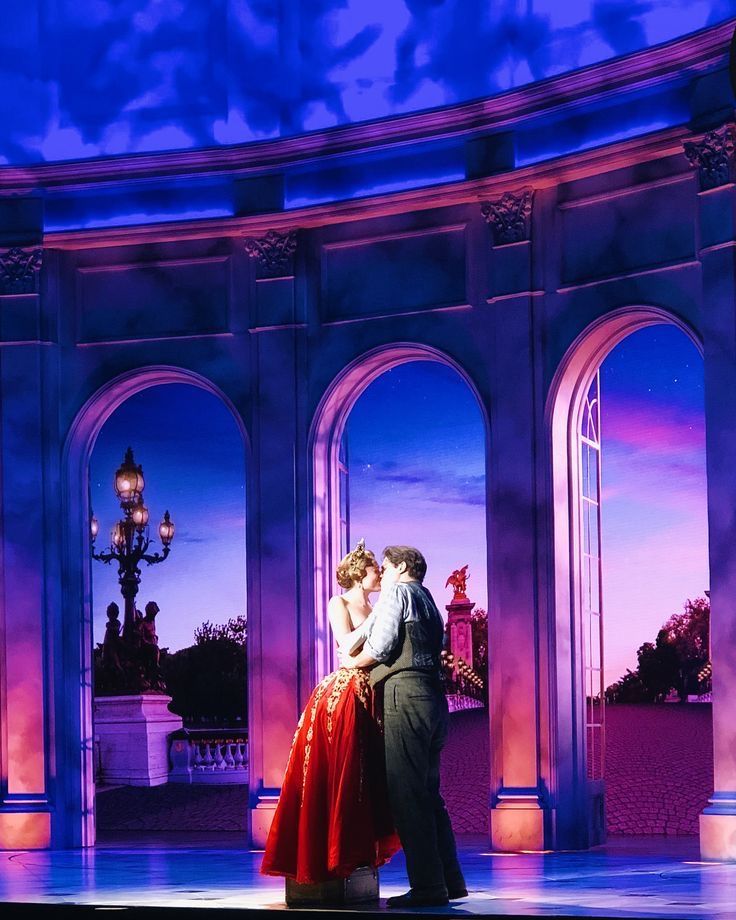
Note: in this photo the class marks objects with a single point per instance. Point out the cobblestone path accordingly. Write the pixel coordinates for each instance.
(178, 807)
(659, 769)
(466, 770)
(173, 807)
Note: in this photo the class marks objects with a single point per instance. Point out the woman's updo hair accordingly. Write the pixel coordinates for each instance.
(355, 565)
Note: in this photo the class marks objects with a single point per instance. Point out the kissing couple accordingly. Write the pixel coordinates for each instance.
(363, 775)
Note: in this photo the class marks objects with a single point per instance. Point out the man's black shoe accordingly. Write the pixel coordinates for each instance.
(418, 899)
(454, 894)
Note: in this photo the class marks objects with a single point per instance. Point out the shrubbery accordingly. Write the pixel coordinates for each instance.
(678, 660)
(208, 681)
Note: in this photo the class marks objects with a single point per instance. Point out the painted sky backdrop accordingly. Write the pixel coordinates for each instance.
(89, 78)
(416, 461)
(415, 478)
(655, 540)
(193, 461)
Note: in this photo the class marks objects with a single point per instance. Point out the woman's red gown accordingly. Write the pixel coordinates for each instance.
(333, 814)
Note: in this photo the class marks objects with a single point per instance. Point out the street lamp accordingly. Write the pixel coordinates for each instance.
(129, 481)
(129, 540)
(166, 530)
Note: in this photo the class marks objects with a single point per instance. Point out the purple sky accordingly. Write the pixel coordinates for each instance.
(193, 461)
(421, 481)
(655, 543)
(418, 477)
(416, 482)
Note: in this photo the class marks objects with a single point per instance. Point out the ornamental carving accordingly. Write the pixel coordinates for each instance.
(510, 217)
(273, 252)
(458, 581)
(714, 157)
(19, 270)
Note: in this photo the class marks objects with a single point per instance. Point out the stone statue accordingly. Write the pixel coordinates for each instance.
(136, 631)
(112, 642)
(458, 581)
(130, 666)
(149, 639)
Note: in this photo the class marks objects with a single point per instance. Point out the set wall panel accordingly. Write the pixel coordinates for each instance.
(20, 318)
(275, 301)
(153, 299)
(629, 231)
(393, 275)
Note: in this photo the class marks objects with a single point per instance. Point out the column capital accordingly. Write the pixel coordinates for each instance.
(19, 270)
(510, 216)
(273, 253)
(714, 157)
(457, 609)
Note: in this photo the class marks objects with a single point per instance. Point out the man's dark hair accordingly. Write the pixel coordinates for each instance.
(416, 564)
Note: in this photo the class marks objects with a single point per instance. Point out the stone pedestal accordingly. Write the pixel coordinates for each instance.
(362, 885)
(718, 828)
(133, 737)
(263, 808)
(517, 823)
(460, 629)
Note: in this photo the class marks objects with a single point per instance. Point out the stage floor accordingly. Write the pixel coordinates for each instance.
(630, 877)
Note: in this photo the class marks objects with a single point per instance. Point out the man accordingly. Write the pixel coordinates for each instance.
(403, 648)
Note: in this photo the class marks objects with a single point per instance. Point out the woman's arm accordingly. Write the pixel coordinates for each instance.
(353, 642)
(349, 640)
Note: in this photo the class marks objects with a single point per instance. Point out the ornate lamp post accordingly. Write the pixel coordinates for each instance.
(130, 538)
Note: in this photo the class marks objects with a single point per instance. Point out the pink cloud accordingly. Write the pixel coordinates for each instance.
(637, 423)
(653, 458)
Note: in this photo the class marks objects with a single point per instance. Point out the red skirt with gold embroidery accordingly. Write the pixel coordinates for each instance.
(333, 814)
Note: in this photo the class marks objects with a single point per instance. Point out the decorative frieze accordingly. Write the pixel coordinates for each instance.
(19, 271)
(714, 157)
(510, 216)
(273, 253)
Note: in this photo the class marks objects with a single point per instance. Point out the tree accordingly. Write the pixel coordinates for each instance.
(235, 630)
(479, 632)
(659, 667)
(208, 681)
(689, 634)
(629, 689)
(675, 661)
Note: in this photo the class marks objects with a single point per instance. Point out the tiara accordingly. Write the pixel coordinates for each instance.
(360, 548)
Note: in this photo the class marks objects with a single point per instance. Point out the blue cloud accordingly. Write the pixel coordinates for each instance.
(89, 79)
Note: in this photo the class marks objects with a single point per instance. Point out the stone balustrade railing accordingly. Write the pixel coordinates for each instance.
(458, 702)
(464, 687)
(208, 756)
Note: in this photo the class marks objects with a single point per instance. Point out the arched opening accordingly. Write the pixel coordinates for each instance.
(400, 453)
(582, 575)
(186, 478)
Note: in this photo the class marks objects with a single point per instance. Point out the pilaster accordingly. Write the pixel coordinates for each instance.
(713, 157)
(518, 807)
(274, 616)
(27, 441)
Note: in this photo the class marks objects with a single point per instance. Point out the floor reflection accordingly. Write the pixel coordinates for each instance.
(629, 877)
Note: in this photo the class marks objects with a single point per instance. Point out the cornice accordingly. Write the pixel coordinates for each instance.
(678, 60)
(537, 176)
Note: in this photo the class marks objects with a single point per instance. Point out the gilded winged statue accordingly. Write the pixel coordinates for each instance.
(458, 581)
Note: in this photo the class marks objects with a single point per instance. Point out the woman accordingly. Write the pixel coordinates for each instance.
(332, 815)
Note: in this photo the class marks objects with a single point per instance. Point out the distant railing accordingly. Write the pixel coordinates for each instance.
(457, 702)
(464, 687)
(208, 756)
